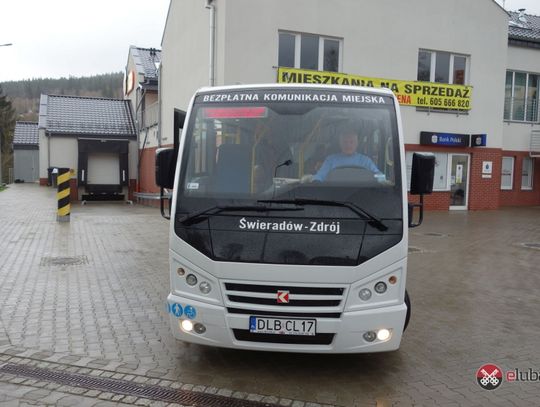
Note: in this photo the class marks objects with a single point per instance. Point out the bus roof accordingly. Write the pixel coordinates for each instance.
(342, 88)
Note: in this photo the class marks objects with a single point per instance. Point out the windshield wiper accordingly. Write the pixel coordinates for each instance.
(214, 210)
(373, 220)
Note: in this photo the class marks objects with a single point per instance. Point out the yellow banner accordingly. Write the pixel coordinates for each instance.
(408, 93)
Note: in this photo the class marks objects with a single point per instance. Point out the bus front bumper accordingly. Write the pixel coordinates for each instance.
(345, 334)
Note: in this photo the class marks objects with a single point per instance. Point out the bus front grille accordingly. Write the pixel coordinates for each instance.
(273, 297)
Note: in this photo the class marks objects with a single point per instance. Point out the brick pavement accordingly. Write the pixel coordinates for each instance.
(90, 295)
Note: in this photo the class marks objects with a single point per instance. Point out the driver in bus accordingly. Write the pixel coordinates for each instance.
(347, 157)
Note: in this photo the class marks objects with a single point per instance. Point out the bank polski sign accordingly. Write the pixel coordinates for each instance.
(428, 138)
(408, 93)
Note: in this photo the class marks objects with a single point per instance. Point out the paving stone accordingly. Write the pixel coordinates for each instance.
(107, 314)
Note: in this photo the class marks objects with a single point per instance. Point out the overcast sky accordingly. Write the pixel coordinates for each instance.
(55, 38)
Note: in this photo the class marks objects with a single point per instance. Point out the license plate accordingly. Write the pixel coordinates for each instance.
(282, 326)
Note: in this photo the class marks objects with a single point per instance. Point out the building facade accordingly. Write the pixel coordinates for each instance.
(448, 62)
(521, 129)
(141, 88)
(95, 139)
(26, 152)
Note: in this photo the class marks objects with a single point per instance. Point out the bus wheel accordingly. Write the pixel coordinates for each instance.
(408, 315)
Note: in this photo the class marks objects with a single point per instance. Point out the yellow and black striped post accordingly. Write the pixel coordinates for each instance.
(64, 206)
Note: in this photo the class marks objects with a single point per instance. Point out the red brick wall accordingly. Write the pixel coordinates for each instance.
(518, 196)
(437, 201)
(483, 192)
(147, 175)
(131, 189)
(73, 190)
(147, 163)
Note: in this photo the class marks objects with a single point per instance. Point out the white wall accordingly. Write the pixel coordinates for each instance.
(185, 57)
(381, 39)
(133, 159)
(64, 152)
(43, 153)
(517, 135)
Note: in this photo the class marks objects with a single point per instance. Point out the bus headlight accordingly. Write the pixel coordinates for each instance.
(380, 287)
(205, 287)
(383, 334)
(370, 336)
(364, 294)
(191, 279)
(187, 325)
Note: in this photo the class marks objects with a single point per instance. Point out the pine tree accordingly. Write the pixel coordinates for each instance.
(7, 125)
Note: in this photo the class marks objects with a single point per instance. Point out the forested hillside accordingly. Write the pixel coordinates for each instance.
(24, 95)
(19, 101)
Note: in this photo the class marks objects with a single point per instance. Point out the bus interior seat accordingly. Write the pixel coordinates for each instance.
(233, 169)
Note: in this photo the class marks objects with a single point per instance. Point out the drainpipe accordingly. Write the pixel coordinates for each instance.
(48, 138)
(210, 5)
(160, 74)
(140, 93)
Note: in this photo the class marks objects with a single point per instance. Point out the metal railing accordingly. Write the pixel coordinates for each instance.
(521, 110)
(535, 144)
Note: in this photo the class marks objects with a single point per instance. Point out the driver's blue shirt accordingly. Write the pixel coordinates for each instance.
(343, 160)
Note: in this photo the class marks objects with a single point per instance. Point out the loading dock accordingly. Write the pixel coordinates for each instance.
(96, 138)
(103, 168)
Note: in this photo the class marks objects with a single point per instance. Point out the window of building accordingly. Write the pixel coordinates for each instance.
(521, 96)
(527, 173)
(309, 51)
(442, 67)
(440, 179)
(507, 172)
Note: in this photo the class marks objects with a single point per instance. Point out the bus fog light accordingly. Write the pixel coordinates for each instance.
(364, 294)
(383, 334)
(180, 271)
(205, 287)
(191, 279)
(370, 336)
(187, 325)
(380, 287)
(392, 280)
(199, 328)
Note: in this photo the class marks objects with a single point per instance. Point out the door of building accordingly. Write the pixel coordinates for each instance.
(459, 181)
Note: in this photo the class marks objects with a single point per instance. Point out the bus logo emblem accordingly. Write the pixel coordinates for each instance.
(282, 297)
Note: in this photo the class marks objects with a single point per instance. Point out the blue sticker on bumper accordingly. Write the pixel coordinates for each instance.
(176, 309)
(190, 312)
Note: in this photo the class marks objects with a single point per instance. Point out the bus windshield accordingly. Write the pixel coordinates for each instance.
(244, 147)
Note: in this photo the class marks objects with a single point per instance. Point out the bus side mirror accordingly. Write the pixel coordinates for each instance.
(165, 167)
(423, 172)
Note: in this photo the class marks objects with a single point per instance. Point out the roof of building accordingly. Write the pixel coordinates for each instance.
(523, 27)
(26, 133)
(146, 61)
(74, 115)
